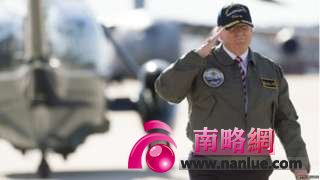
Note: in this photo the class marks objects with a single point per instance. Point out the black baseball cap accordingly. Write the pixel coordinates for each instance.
(233, 14)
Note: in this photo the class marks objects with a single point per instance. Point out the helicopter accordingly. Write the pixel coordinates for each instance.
(53, 79)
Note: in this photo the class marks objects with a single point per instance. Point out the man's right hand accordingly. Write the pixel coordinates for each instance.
(206, 48)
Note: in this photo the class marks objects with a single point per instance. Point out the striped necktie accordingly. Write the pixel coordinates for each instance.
(244, 82)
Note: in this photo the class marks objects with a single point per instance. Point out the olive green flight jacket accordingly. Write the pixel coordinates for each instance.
(222, 107)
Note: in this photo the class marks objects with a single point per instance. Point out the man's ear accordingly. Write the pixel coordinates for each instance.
(220, 38)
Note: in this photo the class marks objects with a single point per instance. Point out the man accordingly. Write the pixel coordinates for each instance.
(232, 86)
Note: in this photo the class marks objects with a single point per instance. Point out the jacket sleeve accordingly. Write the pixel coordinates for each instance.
(174, 82)
(288, 128)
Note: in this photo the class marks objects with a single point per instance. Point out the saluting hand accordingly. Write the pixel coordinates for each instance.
(206, 48)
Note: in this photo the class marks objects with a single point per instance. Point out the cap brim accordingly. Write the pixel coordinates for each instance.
(230, 25)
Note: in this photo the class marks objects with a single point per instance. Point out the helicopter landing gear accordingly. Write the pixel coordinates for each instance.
(44, 168)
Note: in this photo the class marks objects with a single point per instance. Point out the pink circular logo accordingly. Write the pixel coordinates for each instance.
(160, 158)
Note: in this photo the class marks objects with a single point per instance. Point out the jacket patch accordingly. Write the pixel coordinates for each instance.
(270, 83)
(213, 77)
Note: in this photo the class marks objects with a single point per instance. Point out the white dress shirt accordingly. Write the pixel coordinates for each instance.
(244, 57)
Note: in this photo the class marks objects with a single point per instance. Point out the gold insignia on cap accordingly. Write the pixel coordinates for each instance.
(231, 24)
(241, 9)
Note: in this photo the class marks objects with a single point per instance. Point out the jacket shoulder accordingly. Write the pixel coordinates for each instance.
(268, 63)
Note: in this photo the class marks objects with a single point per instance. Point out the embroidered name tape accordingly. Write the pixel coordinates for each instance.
(269, 83)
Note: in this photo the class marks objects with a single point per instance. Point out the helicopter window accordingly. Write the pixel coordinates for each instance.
(9, 52)
(75, 41)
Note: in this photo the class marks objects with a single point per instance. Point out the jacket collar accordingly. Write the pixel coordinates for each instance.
(225, 59)
(243, 56)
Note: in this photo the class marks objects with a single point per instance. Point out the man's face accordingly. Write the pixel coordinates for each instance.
(237, 37)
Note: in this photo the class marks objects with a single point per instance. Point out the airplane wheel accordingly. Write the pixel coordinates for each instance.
(44, 169)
